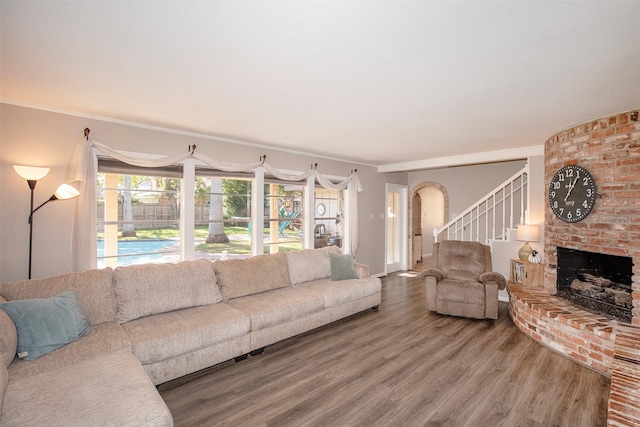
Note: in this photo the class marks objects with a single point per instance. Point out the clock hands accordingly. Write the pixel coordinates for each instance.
(571, 188)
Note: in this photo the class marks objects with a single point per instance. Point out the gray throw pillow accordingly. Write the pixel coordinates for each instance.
(343, 267)
(45, 324)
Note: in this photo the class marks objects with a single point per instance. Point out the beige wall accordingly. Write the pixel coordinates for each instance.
(42, 138)
(464, 184)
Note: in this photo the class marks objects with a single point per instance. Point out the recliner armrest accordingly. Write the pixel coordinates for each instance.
(492, 276)
(435, 272)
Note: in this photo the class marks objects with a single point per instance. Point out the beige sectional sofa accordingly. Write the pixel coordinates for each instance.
(156, 322)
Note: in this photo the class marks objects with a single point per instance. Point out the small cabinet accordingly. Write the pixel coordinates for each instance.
(530, 275)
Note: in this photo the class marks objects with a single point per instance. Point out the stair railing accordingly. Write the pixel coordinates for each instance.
(491, 216)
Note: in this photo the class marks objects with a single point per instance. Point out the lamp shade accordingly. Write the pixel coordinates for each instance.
(65, 191)
(31, 173)
(527, 233)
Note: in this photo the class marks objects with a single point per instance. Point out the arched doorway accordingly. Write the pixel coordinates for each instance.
(429, 209)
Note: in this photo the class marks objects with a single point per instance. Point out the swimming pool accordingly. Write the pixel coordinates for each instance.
(137, 251)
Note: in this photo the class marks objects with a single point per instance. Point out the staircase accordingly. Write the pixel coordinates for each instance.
(490, 217)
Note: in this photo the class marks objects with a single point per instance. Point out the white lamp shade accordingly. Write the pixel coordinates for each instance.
(31, 173)
(65, 191)
(527, 233)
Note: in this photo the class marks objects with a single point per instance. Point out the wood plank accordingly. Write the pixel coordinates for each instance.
(401, 365)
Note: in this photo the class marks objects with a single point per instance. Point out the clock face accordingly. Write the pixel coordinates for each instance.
(572, 193)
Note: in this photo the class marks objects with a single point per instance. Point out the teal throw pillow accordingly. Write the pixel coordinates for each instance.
(343, 267)
(45, 324)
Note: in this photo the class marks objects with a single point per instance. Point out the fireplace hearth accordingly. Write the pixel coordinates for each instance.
(597, 282)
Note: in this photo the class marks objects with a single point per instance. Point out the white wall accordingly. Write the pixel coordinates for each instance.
(42, 138)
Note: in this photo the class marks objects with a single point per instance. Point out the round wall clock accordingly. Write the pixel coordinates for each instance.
(572, 193)
(321, 209)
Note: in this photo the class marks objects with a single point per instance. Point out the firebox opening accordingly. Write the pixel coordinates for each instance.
(600, 283)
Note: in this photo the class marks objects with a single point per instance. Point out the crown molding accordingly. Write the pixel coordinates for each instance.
(465, 159)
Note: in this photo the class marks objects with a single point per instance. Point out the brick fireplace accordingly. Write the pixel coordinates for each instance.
(610, 149)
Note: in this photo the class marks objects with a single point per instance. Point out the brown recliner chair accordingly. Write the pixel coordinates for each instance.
(460, 281)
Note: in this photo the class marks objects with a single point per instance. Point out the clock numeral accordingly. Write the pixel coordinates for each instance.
(589, 192)
(585, 204)
(569, 215)
(585, 181)
(556, 186)
(578, 212)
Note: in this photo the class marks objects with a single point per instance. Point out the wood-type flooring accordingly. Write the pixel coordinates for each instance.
(398, 366)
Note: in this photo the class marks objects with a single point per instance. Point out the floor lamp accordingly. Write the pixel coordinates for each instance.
(33, 174)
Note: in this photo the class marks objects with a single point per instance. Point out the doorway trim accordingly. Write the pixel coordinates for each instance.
(403, 233)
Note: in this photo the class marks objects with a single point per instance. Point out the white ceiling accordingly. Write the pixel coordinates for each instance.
(375, 82)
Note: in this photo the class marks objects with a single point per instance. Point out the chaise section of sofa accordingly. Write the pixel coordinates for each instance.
(175, 318)
(112, 389)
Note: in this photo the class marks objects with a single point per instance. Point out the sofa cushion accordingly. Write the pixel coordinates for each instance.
(247, 276)
(93, 288)
(343, 267)
(340, 292)
(179, 332)
(110, 390)
(8, 339)
(310, 264)
(45, 324)
(278, 306)
(142, 290)
(108, 337)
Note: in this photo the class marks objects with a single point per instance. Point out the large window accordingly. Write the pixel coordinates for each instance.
(149, 215)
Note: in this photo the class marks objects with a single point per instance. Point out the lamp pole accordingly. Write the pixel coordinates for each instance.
(32, 186)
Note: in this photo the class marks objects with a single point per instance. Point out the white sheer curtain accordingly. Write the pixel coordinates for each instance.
(82, 175)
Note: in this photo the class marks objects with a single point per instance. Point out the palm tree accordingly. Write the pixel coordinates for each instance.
(216, 224)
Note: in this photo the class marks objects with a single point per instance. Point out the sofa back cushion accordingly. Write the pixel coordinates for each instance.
(93, 288)
(8, 338)
(4, 383)
(463, 260)
(247, 276)
(310, 264)
(143, 290)
(8, 348)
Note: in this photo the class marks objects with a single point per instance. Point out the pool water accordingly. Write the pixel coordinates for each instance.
(144, 248)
